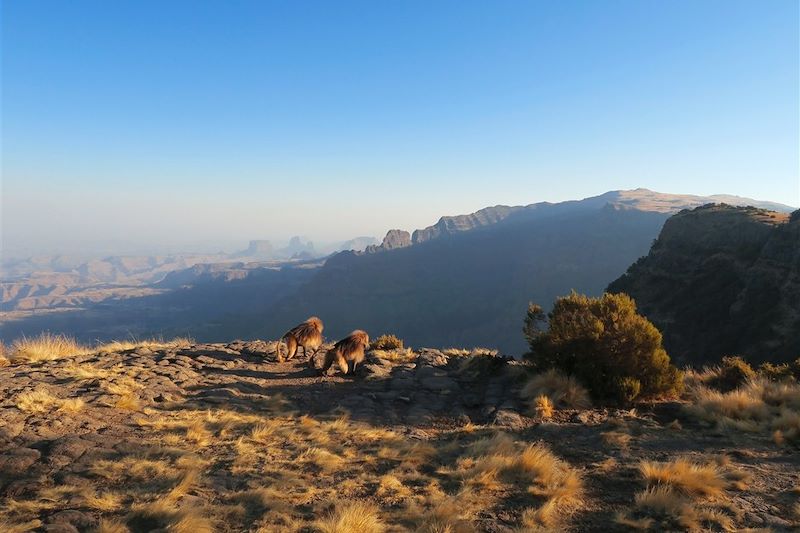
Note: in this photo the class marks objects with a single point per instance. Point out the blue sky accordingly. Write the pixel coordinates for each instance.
(185, 122)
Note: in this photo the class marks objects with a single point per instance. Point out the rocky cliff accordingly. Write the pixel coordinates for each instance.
(722, 280)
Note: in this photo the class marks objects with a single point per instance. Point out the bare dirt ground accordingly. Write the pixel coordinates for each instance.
(220, 437)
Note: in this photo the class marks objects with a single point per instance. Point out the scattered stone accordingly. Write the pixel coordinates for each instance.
(17, 460)
(508, 419)
(74, 518)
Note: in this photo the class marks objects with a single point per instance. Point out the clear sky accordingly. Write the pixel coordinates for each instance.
(171, 122)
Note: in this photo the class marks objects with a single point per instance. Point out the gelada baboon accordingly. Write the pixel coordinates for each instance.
(348, 352)
(306, 335)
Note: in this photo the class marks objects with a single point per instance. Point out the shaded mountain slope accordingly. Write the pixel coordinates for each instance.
(471, 288)
(722, 280)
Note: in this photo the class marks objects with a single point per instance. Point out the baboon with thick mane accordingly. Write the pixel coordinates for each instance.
(347, 353)
(306, 335)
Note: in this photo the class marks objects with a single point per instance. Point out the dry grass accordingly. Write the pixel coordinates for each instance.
(543, 407)
(686, 495)
(387, 342)
(498, 463)
(353, 517)
(112, 526)
(42, 401)
(474, 352)
(20, 527)
(685, 476)
(3, 356)
(166, 516)
(396, 355)
(563, 391)
(49, 347)
(616, 439)
(770, 408)
(153, 344)
(45, 347)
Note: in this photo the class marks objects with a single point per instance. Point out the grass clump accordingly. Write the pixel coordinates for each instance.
(45, 347)
(387, 342)
(3, 356)
(761, 406)
(780, 372)
(42, 401)
(153, 343)
(564, 392)
(353, 517)
(543, 407)
(49, 347)
(732, 373)
(683, 494)
(498, 463)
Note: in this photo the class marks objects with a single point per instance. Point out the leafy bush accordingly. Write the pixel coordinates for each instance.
(387, 342)
(733, 373)
(610, 348)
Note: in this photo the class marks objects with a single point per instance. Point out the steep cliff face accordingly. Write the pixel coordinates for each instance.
(395, 238)
(722, 280)
(456, 224)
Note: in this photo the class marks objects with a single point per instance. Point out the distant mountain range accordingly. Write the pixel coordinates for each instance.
(467, 280)
(464, 281)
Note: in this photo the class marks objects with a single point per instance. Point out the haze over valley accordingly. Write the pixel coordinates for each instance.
(468, 276)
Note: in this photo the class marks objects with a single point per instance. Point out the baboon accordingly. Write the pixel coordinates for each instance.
(306, 335)
(348, 352)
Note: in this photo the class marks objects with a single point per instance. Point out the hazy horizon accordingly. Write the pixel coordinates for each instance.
(136, 126)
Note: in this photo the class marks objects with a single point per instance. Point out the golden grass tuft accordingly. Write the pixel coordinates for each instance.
(543, 407)
(353, 517)
(107, 501)
(3, 356)
(42, 401)
(153, 343)
(166, 516)
(45, 347)
(474, 352)
(111, 526)
(685, 476)
(498, 462)
(563, 391)
(49, 347)
(686, 495)
(396, 355)
(616, 439)
(20, 527)
(760, 406)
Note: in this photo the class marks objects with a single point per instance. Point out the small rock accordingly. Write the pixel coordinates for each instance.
(17, 460)
(60, 527)
(74, 518)
(508, 419)
(439, 383)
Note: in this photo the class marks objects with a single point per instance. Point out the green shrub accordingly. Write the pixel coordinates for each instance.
(627, 389)
(387, 342)
(614, 351)
(733, 372)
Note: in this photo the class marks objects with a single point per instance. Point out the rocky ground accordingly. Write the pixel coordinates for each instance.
(221, 437)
